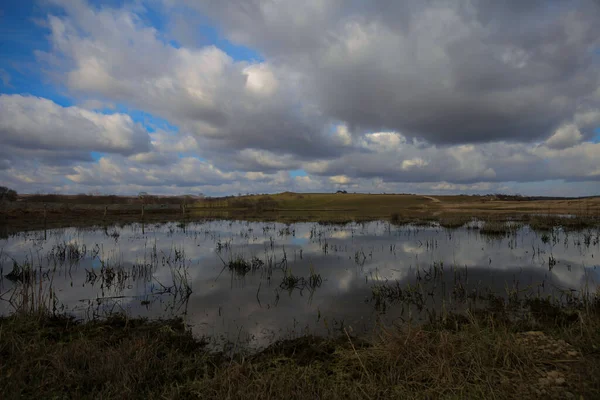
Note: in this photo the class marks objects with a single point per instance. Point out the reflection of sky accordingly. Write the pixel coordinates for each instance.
(349, 258)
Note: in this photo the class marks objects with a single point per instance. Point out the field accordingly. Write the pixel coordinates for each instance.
(35, 212)
(294, 296)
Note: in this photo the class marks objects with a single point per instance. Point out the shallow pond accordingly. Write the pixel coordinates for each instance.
(249, 283)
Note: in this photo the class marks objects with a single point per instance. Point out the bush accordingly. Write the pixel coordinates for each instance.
(7, 194)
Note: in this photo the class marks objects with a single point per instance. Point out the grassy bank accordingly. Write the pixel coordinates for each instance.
(300, 206)
(555, 353)
(451, 211)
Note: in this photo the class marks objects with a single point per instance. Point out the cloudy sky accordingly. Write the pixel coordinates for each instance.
(237, 96)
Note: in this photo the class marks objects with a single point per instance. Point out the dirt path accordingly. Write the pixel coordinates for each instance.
(433, 199)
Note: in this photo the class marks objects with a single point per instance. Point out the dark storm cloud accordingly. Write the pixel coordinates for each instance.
(450, 72)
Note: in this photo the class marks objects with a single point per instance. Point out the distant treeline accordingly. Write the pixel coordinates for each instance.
(264, 202)
(259, 203)
(105, 199)
(518, 197)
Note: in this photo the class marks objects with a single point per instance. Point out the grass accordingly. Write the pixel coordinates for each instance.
(549, 222)
(480, 355)
(533, 348)
(455, 221)
(498, 228)
(553, 352)
(290, 281)
(513, 349)
(116, 358)
(296, 207)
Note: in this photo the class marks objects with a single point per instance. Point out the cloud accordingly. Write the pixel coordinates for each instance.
(449, 72)
(36, 124)
(231, 105)
(393, 158)
(185, 172)
(414, 163)
(262, 160)
(340, 180)
(565, 136)
(384, 96)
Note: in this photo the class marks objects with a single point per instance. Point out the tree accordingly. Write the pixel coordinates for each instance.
(7, 194)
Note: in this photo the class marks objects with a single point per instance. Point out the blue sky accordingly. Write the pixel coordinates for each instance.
(169, 96)
(22, 33)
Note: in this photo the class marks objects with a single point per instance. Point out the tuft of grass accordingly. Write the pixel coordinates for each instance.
(239, 266)
(456, 221)
(496, 228)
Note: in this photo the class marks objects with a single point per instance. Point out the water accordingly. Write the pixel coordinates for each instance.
(338, 276)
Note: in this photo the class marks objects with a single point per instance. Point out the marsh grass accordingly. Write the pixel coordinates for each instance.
(514, 348)
(498, 228)
(477, 355)
(550, 222)
(483, 353)
(57, 357)
(454, 222)
(291, 282)
(292, 207)
(241, 266)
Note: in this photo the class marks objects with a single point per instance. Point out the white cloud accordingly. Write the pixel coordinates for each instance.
(565, 136)
(260, 80)
(40, 124)
(385, 96)
(340, 179)
(342, 135)
(445, 186)
(230, 104)
(413, 163)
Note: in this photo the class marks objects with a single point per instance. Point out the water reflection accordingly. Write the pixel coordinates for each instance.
(240, 282)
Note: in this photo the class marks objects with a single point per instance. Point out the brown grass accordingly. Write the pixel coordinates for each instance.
(479, 356)
(450, 211)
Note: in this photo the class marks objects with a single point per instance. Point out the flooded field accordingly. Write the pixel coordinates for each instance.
(249, 283)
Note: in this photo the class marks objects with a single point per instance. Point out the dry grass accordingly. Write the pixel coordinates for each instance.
(481, 356)
(454, 221)
(118, 358)
(495, 228)
(295, 207)
(546, 223)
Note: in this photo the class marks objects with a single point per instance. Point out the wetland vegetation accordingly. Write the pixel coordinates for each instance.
(406, 303)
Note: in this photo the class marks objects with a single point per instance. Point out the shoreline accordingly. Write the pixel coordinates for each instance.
(481, 355)
(288, 208)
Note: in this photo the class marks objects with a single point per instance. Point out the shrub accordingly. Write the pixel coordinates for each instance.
(7, 194)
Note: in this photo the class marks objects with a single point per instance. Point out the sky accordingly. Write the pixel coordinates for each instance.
(264, 96)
